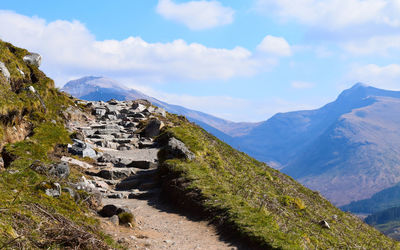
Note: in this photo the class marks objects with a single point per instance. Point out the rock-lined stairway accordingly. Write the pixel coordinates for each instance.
(120, 140)
(126, 156)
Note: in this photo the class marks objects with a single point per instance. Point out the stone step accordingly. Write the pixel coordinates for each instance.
(128, 184)
(118, 195)
(148, 185)
(113, 174)
(145, 194)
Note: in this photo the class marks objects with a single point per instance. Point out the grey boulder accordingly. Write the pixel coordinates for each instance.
(176, 148)
(60, 170)
(33, 59)
(82, 149)
(153, 128)
(4, 71)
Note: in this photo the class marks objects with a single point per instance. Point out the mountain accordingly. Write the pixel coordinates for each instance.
(48, 203)
(348, 149)
(387, 198)
(93, 88)
(386, 221)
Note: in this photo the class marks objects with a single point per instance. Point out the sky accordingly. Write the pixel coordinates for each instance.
(238, 60)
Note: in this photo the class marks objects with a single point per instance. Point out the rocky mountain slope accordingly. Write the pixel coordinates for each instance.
(92, 88)
(348, 150)
(50, 192)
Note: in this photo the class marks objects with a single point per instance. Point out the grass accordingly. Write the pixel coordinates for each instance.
(259, 203)
(28, 217)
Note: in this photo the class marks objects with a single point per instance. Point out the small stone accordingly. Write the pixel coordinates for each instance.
(32, 89)
(4, 71)
(33, 59)
(108, 211)
(60, 170)
(334, 217)
(114, 220)
(324, 224)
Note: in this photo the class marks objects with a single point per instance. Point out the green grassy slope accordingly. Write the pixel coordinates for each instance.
(29, 218)
(264, 206)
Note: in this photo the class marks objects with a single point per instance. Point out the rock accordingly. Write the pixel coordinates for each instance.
(101, 184)
(138, 107)
(52, 190)
(33, 59)
(60, 170)
(128, 184)
(334, 217)
(21, 72)
(160, 111)
(4, 71)
(82, 149)
(76, 162)
(85, 185)
(114, 220)
(176, 148)
(72, 193)
(107, 158)
(39, 167)
(116, 196)
(1, 163)
(141, 164)
(32, 89)
(99, 112)
(114, 174)
(152, 129)
(94, 200)
(78, 135)
(108, 211)
(324, 224)
(145, 144)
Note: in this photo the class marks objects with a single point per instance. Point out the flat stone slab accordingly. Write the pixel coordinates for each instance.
(149, 154)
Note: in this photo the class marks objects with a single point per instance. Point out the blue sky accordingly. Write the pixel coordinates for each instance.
(239, 60)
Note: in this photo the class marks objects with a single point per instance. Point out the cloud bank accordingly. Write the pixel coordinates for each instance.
(71, 50)
(196, 15)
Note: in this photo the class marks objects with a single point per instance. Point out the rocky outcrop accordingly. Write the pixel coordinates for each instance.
(4, 71)
(33, 59)
(177, 149)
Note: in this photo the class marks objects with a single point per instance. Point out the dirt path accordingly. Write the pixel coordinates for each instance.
(127, 172)
(161, 228)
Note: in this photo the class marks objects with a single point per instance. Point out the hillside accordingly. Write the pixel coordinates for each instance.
(342, 150)
(257, 202)
(32, 118)
(201, 174)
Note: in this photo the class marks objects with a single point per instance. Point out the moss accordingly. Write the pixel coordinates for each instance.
(125, 218)
(259, 203)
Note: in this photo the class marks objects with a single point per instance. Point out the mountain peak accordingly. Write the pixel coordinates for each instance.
(359, 85)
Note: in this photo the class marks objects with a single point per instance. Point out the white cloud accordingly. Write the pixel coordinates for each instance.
(378, 45)
(69, 49)
(302, 85)
(274, 46)
(197, 15)
(386, 77)
(335, 14)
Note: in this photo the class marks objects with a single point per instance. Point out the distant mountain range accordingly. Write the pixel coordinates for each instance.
(348, 149)
(94, 88)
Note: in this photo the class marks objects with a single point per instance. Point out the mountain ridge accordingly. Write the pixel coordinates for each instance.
(99, 88)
